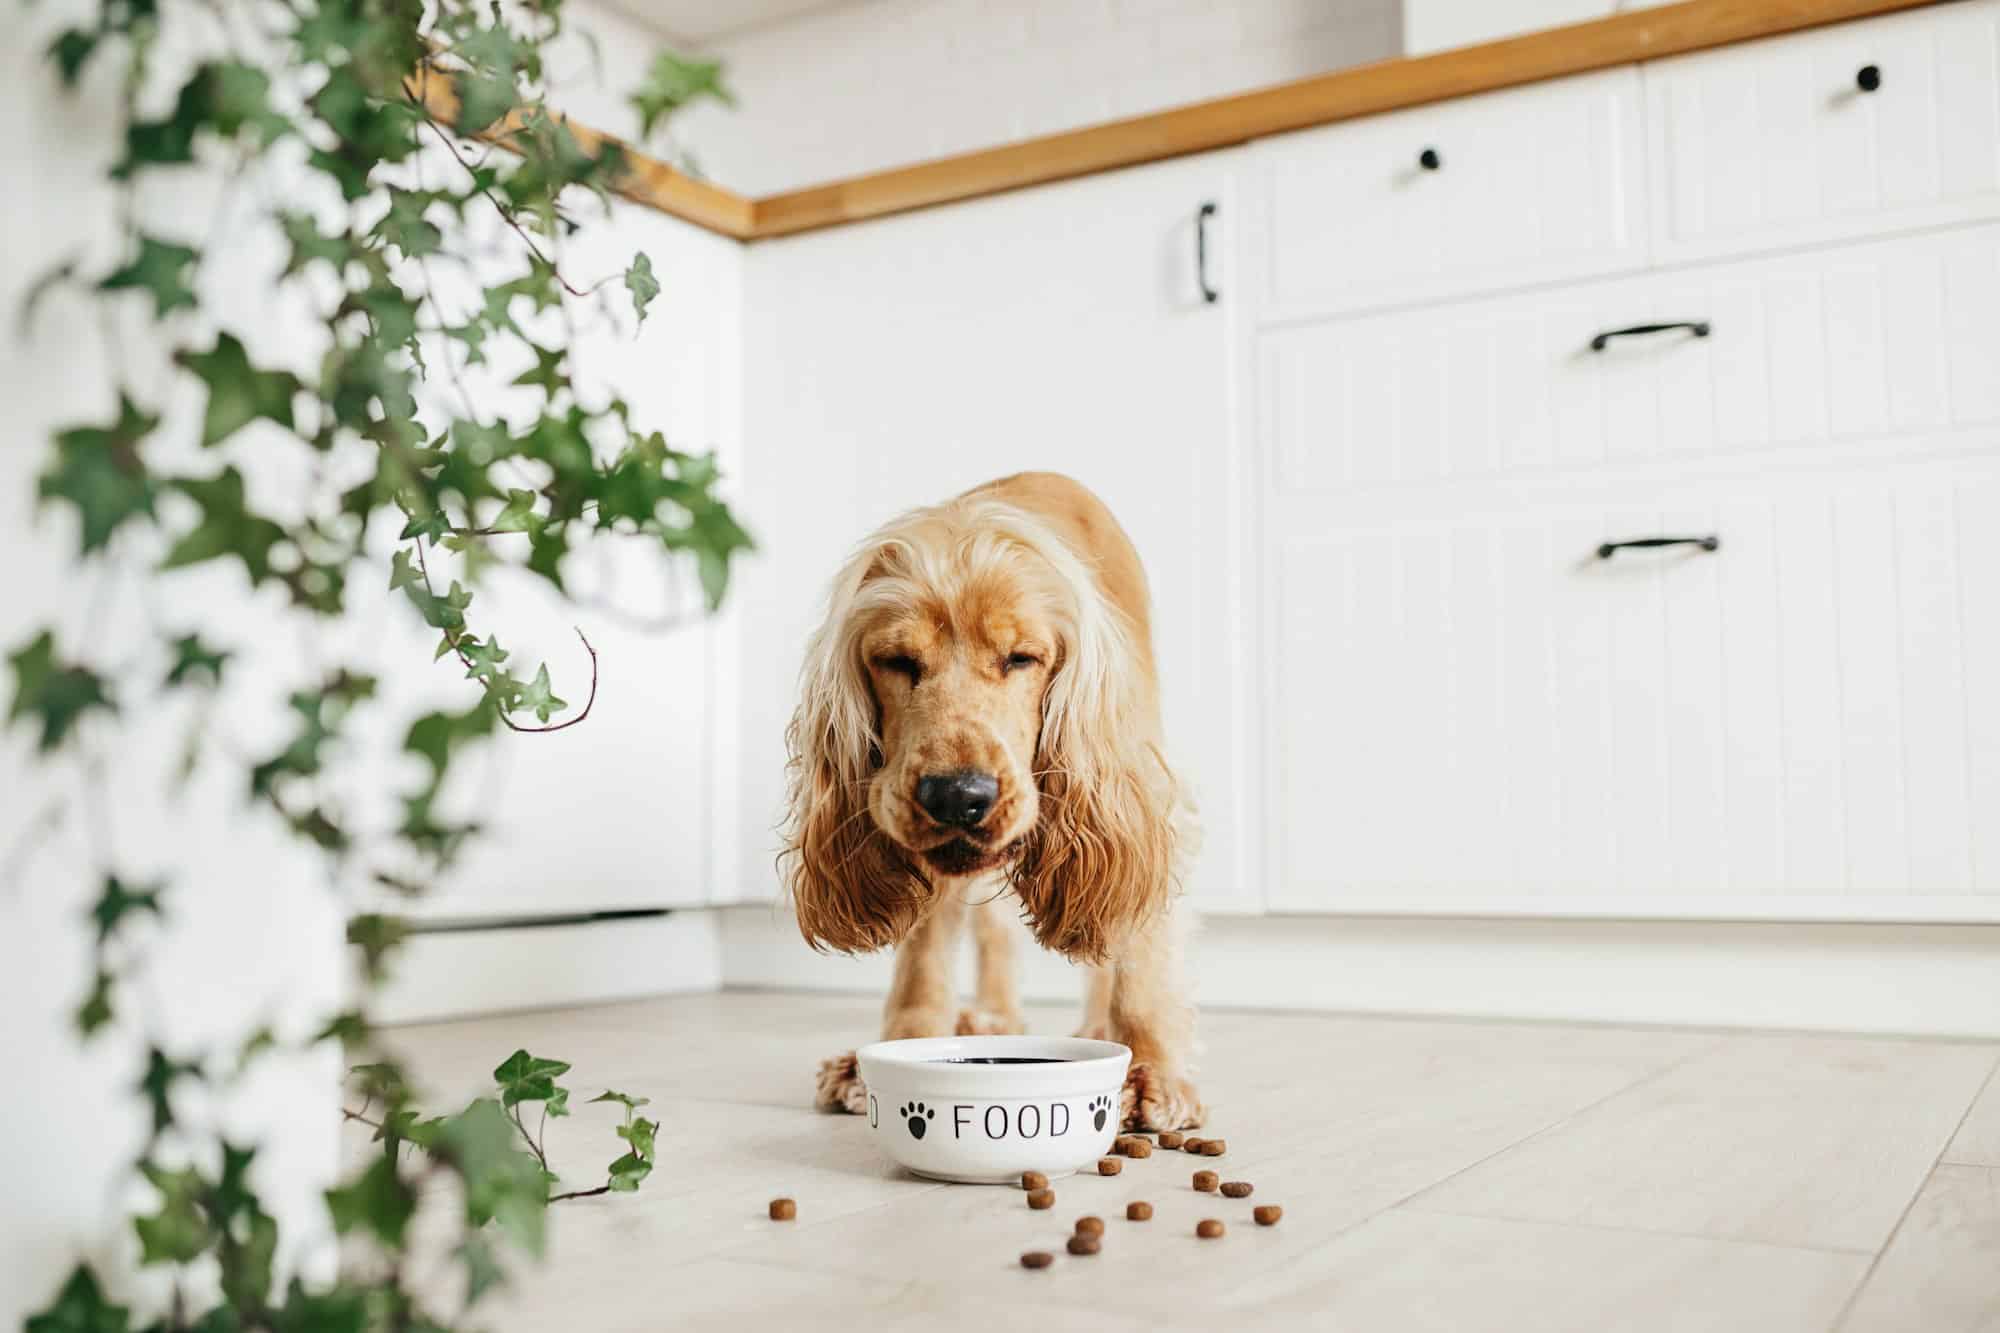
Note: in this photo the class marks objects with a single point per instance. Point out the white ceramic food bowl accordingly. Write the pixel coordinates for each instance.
(986, 1123)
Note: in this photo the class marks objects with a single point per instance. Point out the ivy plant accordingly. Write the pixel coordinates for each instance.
(376, 138)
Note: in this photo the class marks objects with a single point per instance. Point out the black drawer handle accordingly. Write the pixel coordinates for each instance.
(1868, 78)
(1698, 327)
(1708, 543)
(1429, 159)
(1201, 217)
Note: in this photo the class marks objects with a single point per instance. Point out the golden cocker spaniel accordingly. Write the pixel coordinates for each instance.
(979, 715)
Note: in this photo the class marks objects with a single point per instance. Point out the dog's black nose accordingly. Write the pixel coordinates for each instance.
(960, 800)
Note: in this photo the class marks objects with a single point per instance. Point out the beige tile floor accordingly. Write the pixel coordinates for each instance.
(1434, 1174)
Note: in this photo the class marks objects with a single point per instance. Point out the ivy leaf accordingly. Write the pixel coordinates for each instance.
(640, 1135)
(483, 99)
(116, 902)
(483, 660)
(53, 693)
(639, 281)
(161, 268)
(227, 528)
(629, 1103)
(672, 82)
(309, 244)
(178, 1233)
(379, 1200)
(239, 393)
(195, 663)
(627, 1172)
(503, 1183)
(99, 470)
(539, 697)
(377, 936)
(157, 1083)
(526, 1078)
(95, 1011)
(71, 50)
(482, 1268)
(517, 515)
(547, 373)
(437, 736)
(80, 1307)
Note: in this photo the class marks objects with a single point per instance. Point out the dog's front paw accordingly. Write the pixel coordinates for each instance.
(839, 1086)
(1156, 1099)
(987, 1023)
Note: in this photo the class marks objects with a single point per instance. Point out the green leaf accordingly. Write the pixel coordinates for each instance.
(99, 470)
(639, 281)
(377, 936)
(438, 736)
(627, 1172)
(157, 1084)
(640, 1135)
(483, 660)
(80, 1307)
(379, 1201)
(179, 1232)
(95, 1011)
(482, 1268)
(547, 374)
(162, 269)
(53, 693)
(239, 393)
(115, 902)
(628, 1102)
(71, 50)
(518, 515)
(310, 244)
(227, 528)
(196, 663)
(672, 82)
(503, 1183)
(526, 1078)
(539, 698)
(483, 100)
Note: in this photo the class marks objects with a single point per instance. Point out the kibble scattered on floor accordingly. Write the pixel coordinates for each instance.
(1034, 1180)
(1133, 1146)
(1089, 1226)
(1213, 1147)
(1041, 1198)
(1236, 1189)
(1109, 1166)
(1037, 1259)
(1206, 1181)
(1208, 1228)
(784, 1210)
(1191, 1144)
(1267, 1214)
(1171, 1138)
(1139, 1211)
(1084, 1244)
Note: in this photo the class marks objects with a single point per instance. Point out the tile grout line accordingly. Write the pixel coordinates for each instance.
(1875, 1262)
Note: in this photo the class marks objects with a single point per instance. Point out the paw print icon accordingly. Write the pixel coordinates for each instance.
(1100, 1106)
(918, 1117)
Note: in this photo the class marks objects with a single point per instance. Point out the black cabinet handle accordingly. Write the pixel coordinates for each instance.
(1201, 217)
(1698, 327)
(1868, 78)
(1708, 543)
(1429, 159)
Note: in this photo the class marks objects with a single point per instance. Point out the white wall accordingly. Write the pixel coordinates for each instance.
(1439, 25)
(888, 82)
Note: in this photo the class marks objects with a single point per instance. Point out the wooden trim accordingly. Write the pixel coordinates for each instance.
(647, 180)
(1622, 39)
(1646, 34)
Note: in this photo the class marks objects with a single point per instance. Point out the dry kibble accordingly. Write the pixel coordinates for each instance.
(1171, 1138)
(1034, 1180)
(1213, 1147)
(1190, 1144)
(1139, 1212)
(1089, 1226)
(1084, 1244)
(1041, 1198)
(1138, 1148)
(1208, 1228)
(1236, 1189)
(1037, 1259)
(1267, 1214)
(1205, 1181)
(783, 1210)
(1109, 1166)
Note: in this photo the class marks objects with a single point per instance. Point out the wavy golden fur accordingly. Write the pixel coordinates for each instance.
(1005, 633)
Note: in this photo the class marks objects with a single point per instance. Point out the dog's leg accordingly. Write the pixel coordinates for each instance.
(921, 1000)
(996, 1003)
(1097, 1005)
(1151, 1013)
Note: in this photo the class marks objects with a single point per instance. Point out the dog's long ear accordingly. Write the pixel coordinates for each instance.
(1100, 859)
(851, 888)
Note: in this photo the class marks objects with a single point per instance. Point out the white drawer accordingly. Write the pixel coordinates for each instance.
(1877, 339)
(1775, 143)
(1472, 713)
(1531, 184)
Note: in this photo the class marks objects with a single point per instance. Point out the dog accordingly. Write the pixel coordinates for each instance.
(979, 720)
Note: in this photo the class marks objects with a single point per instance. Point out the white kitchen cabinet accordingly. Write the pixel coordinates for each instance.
(1525, 185)
(1777, 143)
(1477, 715)
(900, 362)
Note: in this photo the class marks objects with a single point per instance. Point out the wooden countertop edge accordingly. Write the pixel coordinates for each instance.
(1579, 48)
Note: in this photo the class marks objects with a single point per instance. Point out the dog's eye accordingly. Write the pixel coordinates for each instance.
(1015, 661)
(902, 665)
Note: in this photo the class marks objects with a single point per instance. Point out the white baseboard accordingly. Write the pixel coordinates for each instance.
(481, 971)
(1865, 977)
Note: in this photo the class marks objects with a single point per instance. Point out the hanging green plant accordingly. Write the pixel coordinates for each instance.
(377, 136)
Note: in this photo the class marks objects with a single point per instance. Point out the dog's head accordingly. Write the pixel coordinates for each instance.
(972, 704)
